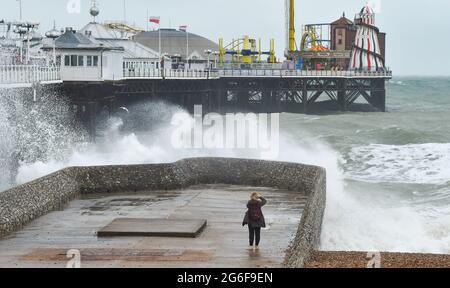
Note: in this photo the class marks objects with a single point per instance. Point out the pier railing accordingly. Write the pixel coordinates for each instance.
(169, 74)
(26, 75)
(279, 73)
(304, 73)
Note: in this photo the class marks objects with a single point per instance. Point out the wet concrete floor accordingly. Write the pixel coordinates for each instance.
(224, 243)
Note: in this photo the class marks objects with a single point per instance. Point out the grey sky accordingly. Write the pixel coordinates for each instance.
(418, 31)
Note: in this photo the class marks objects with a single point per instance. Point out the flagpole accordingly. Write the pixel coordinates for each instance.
(124, 11)
(20, 9)
(157, 20)
(159, 41)
(148, 20)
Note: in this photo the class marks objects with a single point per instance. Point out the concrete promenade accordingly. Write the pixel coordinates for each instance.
(46, 240)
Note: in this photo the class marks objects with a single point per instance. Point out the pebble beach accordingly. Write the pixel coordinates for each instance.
(321, 259)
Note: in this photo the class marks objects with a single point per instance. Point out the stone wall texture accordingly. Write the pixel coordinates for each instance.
(22, 204)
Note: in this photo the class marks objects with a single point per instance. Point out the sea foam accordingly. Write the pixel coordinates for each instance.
(414, 163)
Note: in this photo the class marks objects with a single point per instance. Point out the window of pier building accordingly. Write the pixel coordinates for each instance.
(79, 60)
(73, 60)
(92, 61)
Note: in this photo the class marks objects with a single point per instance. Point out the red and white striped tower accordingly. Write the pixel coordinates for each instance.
(366, 53)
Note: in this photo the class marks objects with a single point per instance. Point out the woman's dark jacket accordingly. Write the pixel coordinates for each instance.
(260, 223)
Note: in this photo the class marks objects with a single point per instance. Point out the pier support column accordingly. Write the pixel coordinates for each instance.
(305, 96)
(242, 99)
(266, 98)
(382, 95)
(342, 95)
(383, 100)
(220, 91)
(380, 100)
(111, 107)
(214, 100)
(378, 94)
(223, 99)
(206, 102)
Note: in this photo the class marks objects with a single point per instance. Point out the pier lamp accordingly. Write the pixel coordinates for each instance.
(21, 31)
(216, 54)
(30, 28)
(208, 52)
(53, 34)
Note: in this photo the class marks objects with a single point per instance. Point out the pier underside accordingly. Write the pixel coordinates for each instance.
(230, 95)
(223, 243)
(261, 95)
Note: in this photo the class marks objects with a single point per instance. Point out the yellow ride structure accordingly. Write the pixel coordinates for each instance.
(310, 41)
(291, 25)
(245, 50)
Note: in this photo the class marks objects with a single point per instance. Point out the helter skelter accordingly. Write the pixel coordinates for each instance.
(366, 55)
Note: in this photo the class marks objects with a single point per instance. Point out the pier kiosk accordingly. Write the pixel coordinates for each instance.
(83, 59)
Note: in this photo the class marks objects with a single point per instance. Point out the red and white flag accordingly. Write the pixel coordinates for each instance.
(183, 28)
(155, 20)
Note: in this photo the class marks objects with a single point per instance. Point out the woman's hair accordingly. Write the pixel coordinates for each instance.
(254, 196)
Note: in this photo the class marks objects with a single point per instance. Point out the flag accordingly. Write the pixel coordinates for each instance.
(183, 28)
(155, 20)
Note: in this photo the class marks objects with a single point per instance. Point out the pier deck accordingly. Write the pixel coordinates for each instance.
(45, 242)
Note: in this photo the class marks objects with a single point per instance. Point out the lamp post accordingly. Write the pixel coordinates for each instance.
(30, 28)
(21, 31)
(53, 34)
(215, 53)
(208, 52)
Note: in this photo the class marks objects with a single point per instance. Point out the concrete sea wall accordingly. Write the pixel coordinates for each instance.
(21, 205)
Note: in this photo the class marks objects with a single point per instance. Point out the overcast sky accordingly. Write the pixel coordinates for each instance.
(418, 31)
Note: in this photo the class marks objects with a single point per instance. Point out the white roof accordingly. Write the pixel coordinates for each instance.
(98, 31)
(133, 50)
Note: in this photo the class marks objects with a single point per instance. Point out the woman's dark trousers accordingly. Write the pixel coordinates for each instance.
(254, 235)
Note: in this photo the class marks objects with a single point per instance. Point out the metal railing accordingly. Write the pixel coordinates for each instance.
(28, 74)
(304, 73)
(169, 74)
(32, 74)
(226, 73)
(203, 74)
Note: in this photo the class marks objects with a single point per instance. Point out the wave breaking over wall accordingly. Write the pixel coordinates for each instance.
(355, 219)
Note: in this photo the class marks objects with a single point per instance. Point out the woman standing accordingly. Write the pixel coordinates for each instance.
(255, 218)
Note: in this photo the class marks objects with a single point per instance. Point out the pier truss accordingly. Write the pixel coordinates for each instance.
(304, 95)
(260, 95)
(231, 95)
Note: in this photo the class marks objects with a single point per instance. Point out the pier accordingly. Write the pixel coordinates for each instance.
(104, 67)
(220, 91)
(234, 91)
(260, 91)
